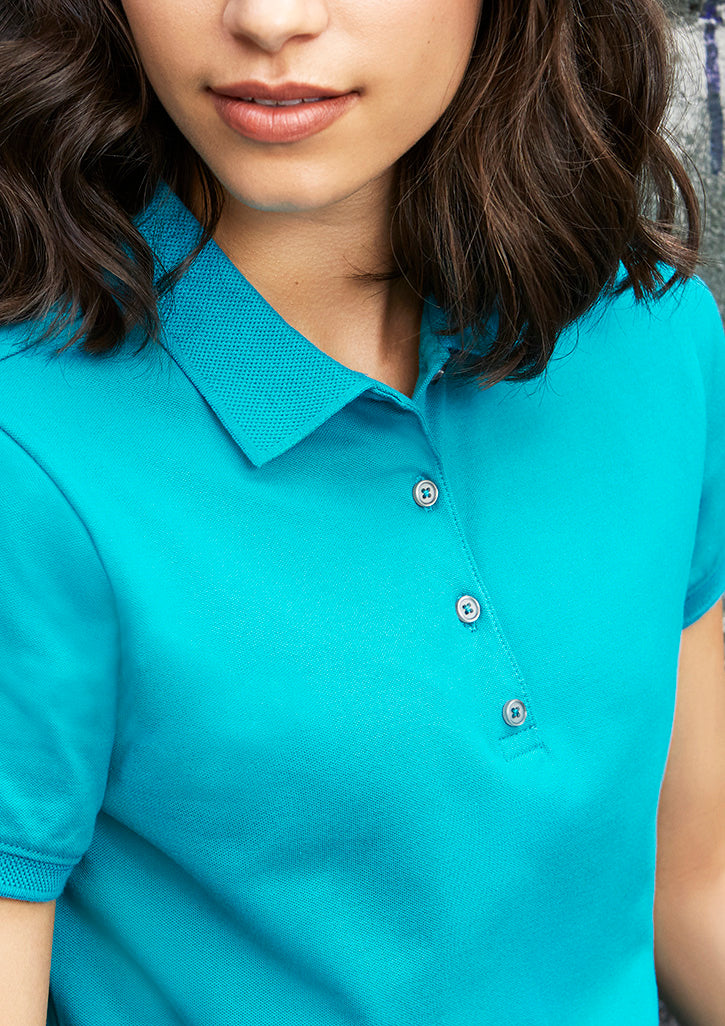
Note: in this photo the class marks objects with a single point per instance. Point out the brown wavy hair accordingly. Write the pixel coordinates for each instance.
(549, 167)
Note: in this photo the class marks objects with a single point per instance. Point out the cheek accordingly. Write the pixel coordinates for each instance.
(423, 48)
(164, 41)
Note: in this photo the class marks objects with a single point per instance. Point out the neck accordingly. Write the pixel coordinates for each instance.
(300, 261)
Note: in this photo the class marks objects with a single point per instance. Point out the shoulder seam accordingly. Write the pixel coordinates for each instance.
(71, 506)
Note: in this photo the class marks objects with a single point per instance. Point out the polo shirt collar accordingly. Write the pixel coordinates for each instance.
(267, 384)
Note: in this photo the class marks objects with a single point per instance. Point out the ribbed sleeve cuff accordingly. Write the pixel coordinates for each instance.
(30, 878)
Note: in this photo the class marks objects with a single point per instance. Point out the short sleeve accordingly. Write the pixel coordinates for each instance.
(707, 569)
(59, 654)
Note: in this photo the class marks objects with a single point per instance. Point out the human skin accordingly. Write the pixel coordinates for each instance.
(301, 216)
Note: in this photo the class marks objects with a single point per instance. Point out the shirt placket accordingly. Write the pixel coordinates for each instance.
(507, 708)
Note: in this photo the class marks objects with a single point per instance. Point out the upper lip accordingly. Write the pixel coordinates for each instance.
(283, 91)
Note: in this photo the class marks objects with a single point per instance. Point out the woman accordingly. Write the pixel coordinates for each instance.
(346, 594)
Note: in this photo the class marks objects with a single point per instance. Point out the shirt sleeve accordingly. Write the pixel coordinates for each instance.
(59, 653)
(707, 569)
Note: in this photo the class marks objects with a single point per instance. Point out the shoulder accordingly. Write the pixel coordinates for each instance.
(45, 389)
(674, 332)
(27, 357)
(685, 309)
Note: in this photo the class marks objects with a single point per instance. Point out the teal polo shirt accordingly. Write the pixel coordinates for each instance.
(321, 705)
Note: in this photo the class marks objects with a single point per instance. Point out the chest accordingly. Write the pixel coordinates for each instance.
(307, 614)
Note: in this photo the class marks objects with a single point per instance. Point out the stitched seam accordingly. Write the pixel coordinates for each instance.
(93, 543)
(33, 855)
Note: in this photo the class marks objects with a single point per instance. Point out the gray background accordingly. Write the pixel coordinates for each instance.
(695, 121)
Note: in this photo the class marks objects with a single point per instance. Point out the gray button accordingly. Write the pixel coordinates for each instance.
(468, 608)
(514, 712)
(425, 493)
(437, 376)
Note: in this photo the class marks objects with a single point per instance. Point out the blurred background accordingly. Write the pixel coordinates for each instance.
(696, 121)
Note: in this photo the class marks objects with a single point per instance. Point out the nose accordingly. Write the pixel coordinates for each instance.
(271, 23)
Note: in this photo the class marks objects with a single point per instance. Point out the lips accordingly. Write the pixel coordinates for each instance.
(277, 103)
(282, 91)
(281, 124)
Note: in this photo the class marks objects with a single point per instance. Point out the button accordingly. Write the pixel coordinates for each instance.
(439, 373)
(514, 712)
(425, 493)
(468, 608)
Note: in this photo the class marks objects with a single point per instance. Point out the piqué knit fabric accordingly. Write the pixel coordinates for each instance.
(252, 692)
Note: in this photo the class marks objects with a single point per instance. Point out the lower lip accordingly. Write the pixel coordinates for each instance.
(281, 124)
